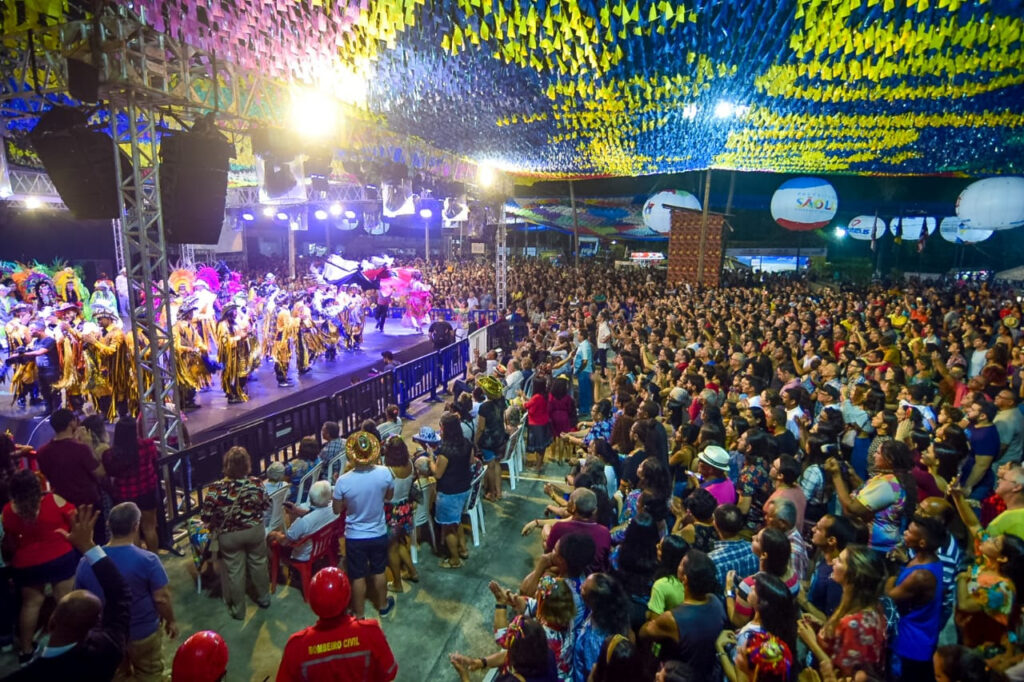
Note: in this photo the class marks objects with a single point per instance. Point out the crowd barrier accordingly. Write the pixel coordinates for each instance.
(481, 317)
(186, 475)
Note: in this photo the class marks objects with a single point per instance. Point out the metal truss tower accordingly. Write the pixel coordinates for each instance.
(133, 125)
(501, 261)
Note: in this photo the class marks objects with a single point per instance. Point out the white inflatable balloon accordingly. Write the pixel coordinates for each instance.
(659, 218)
(993, 203)
(804, 204)
(912, 227)
(955, 230)
(860, 227)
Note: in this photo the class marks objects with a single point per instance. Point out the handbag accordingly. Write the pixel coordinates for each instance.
(416, 492)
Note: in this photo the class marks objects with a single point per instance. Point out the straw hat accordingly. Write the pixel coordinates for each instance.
(491, 386)
(427, 435)
(362, 447)
(1010, 322)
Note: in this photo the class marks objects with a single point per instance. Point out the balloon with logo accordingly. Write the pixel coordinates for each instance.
(657, 217)
(861, 227)
(912, 227)
(804, 204)
(955, 230)
(993, 203)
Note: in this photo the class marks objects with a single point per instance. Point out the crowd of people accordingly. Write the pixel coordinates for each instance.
(762, 481)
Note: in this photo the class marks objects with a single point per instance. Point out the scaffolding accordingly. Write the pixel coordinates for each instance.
(501, 262)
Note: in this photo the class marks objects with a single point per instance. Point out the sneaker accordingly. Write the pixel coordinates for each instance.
(285, 384)
(264, 603)
(389, 608)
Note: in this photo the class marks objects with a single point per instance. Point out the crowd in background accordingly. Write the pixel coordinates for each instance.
(760, 481)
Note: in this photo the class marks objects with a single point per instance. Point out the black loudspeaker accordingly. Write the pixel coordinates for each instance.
(83, 80)
(193, 186)
(80, 163)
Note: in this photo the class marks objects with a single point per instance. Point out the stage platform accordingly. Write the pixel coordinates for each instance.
(215, 417)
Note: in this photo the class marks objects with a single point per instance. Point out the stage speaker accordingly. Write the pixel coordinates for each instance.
(83, 80)
(194, 185)
(80, 163)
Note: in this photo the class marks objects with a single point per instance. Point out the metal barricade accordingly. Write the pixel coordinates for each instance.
(366, 400)
(415, 379)
(451, 362)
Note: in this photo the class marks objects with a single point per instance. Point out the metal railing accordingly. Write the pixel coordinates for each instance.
(186, 475)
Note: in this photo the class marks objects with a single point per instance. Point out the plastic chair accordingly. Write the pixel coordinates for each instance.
(421, 517)
(274, 518)
(335, 468)
(325, 546)
(474, 509)
(513, 455)
(305, 483)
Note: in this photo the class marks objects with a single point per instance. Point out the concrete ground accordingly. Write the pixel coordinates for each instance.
(448, 610)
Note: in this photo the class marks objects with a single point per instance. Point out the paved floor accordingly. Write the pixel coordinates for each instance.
(446, 611)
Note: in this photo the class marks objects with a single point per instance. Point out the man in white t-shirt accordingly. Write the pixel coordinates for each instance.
(360, 495)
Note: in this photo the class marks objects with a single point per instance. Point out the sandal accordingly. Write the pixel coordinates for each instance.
(414, 578)
(447, 563)
(464, 555)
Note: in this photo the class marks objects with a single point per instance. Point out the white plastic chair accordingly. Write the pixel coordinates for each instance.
(474, 509)
(305, 483)
(513, 455)
(274, 518)
(336, 467)
(421, 517)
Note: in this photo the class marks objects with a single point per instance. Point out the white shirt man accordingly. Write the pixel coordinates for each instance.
(319, 514)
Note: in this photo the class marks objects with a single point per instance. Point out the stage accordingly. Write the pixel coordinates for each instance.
(215, 417)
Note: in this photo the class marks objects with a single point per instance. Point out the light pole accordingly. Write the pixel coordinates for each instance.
(426, 214)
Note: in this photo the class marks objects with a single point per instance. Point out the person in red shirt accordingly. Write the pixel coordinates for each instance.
(33, 522)
(338, 646)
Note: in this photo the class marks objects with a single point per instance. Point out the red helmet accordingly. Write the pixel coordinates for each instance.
(329, 592)
(203, 657)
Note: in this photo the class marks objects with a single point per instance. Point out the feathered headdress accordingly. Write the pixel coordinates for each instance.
(67, 276)
(182, 277)
(210, 276)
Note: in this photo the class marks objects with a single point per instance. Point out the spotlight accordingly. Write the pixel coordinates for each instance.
(723, 109)
(350, 215)
(840, 232)
(248, 216)
(486, 175)
(314, 114)
(320, 214)
(281, 215)
(33, 203)
(335, 210)
(268, 211)
(426, 213)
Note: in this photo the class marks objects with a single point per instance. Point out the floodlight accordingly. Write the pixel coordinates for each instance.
(248, 216)
(723, 109)
(281, 215)
(268, 211)
(426, 213)
(314, 114)
(320, 214)
(350, 215)
(486, 175)
(335, 210)
(33, 202)
(840, 232)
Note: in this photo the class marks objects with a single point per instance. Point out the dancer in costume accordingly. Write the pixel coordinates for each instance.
(110, 382)
(233, 355)
(418, 302)
(103, 295)
(19, 337)
(380, 312)
(308, 342)
(70, 288)
(190, 355)
(284, 332)
(68, 337)
(330, 326)
(354, 317)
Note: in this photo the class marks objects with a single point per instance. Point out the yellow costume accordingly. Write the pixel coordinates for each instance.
(233, 355)
(24, 376)
(284, 331)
